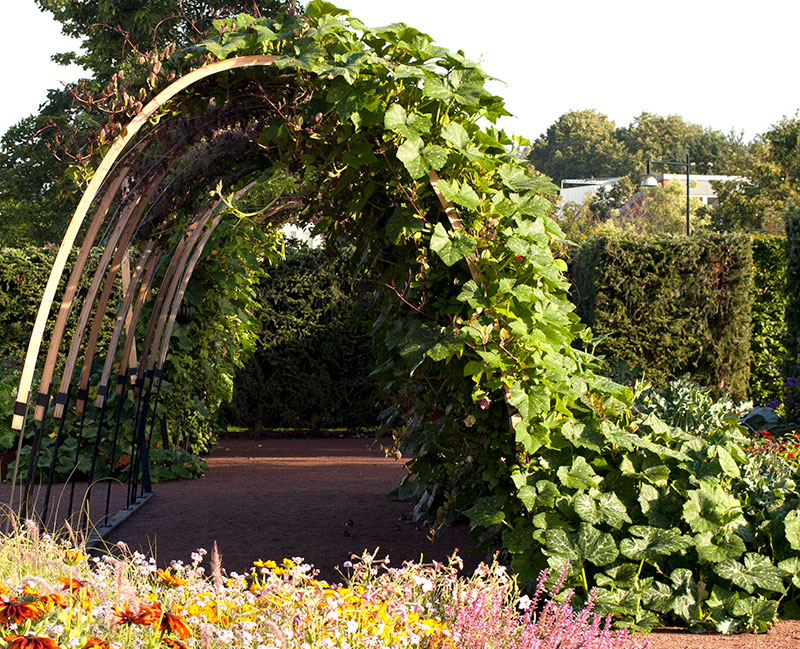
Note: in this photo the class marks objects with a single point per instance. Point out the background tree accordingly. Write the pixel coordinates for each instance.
(654, 137)
(39, 180)
(111, 29)
(580, 144)
(771, 182)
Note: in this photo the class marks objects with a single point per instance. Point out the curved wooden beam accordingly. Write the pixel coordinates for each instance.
(166, 293)
(145, 261)
(125, 274)
(70, 291)
(102, 171)
(187, 275)
(130, 336)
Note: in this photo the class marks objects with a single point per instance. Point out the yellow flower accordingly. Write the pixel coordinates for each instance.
(171, 580)
(73, 557)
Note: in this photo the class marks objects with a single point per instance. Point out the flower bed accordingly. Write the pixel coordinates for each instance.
(55, 597)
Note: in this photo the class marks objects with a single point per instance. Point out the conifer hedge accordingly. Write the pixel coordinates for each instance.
(312, 364)
(670, 305)
(768, 337)
(793, 283)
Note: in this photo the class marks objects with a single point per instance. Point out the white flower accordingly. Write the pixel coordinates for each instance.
(524, 603)
(424, 582)
(352, 626)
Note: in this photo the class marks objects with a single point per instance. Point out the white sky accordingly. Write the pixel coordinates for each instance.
(726, 64)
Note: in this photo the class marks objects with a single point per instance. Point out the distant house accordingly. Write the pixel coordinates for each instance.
(577, 190)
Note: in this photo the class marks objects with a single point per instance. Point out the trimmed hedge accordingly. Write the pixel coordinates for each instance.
(768, 337)
(23, 274)
(670, 305)
(793, 285)
(312, 366)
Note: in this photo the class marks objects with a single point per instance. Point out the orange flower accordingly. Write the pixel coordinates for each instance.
(173, 623)
(171, 643)
(97, 643)
(171, 580)
(30, 642)
(15, 611)
(48, 601)
(71, 584)
(145, 615)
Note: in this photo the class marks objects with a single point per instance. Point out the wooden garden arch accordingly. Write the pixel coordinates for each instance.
(137, 286)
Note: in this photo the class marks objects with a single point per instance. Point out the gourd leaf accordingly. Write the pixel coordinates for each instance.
(715, 548)
(757, 571)
(578, 476)
(451, 249)
(589, 544)
(792, 528)
(652, 542)
(486, 511)
(710, 507)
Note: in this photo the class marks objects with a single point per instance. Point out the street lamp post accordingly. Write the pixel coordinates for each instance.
(650, 181)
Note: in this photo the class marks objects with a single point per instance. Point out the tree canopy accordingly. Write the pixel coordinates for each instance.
(770, 184)
(39, 177)
(586, 144)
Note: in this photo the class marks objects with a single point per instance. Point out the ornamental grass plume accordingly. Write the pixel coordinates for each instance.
(216, 568)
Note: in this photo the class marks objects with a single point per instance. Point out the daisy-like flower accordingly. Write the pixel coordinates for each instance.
(73, 557)
(171, 643)
(72, 585)
(173, 581)
(169, 623)
(97, 643)
(16, 611)
(144, 615)
(30, 642)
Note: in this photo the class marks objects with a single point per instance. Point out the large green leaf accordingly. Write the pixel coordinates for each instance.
(486, 511)
(578, 476)
(715, 548)
(652, 542)
(515, 178)
(792, 528)
(757, 571)
(456, 135)
(710, 507)
(459, 193)
(520, 538)
(410, 155)
(589, 544)
(685, 597)
(451, 249)
(595, 507)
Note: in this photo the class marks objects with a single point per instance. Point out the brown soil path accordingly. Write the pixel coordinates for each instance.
(321, 499)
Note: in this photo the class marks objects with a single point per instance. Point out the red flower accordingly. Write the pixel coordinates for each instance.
(145, 615)
(71, 584)
(97, 643)
(171, 643)
(172, 623)
(30, 642)
(15, 611)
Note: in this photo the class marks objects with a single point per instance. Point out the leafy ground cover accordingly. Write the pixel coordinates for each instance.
(54, 596)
